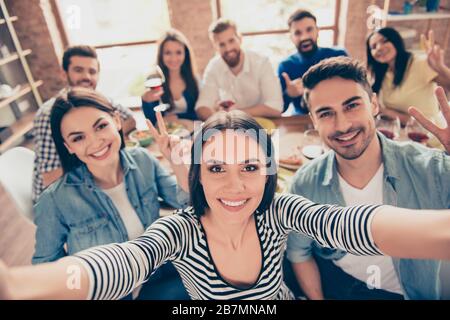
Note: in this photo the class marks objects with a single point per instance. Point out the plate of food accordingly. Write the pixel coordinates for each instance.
(130, 144)
(292, 162)
(267, 124)
(312, 151)
(177, 129)
(144, 137)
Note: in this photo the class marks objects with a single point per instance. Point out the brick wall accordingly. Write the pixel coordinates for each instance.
(33, 32)
(193, 18)
(37, 31)
(356, 26)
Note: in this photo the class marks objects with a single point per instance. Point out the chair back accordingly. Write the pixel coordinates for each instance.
(16, 176)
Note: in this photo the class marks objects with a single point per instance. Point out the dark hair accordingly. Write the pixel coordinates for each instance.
(342, 67)
(82, 51)
(238, 121)
(188, 68)
(299, 15)
(402, 58)
(75, 98)
(222, 24)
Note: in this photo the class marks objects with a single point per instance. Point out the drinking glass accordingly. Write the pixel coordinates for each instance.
(312, 144)
(226, 99)
(155, 81)
(416, 132)
(388, 126)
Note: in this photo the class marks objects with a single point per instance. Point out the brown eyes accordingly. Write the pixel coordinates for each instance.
(247, 168)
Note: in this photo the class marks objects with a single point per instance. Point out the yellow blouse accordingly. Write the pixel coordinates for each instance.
(416, 89)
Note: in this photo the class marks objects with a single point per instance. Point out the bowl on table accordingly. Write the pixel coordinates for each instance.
(130, 144)
(144, 137)
(177, 129)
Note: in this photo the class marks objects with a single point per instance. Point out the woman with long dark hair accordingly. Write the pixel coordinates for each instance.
(230, 243)
(401, 78)
(181, 89)
(107, 194)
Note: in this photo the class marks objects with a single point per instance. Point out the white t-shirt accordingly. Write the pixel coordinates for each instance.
(180, 105)
(126, 211)
(376, 271)
(257, 83)
(133, 224)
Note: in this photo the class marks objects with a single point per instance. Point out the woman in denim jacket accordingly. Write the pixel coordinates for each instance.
(107, 194)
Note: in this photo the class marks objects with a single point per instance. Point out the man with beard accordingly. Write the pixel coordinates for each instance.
(364, 167)
(304, 34)
(81, 68)
(237, 78)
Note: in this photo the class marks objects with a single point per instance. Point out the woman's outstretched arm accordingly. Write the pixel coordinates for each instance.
(406, 233)
(106, 272)
(63, 279)
(369, 230)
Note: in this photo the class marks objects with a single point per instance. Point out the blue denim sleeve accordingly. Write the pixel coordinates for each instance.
(168, 188)
(51, 232)
(443, 174)
(299, 248)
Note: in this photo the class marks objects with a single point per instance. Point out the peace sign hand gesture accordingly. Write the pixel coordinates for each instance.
(443, 134)
(435, 55)
(177, 152)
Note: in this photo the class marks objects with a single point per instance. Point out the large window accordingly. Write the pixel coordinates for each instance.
(124, 33)
(263, 23)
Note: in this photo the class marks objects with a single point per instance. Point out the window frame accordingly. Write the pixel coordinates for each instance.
(334, 27)
(65, 39)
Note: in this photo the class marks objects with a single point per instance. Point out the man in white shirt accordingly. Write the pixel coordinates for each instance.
(237, 78)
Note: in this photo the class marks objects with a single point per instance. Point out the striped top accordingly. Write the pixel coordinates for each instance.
(115, 269)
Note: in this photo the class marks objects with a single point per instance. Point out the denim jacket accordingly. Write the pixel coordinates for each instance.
(75, 211)
(415, 177)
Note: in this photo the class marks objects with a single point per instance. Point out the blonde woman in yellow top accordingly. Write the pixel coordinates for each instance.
(402, 79)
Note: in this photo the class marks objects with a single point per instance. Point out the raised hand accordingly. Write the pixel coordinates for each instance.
(443, 134)
(174, 149)
(165, 141)
(435, 55)
(294, 88)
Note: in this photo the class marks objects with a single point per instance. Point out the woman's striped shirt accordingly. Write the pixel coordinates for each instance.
(115, 269)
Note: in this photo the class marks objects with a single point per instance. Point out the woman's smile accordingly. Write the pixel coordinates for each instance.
(233, 205)
(102, 154)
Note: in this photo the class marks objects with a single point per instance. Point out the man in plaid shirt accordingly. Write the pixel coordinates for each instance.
(81, 66)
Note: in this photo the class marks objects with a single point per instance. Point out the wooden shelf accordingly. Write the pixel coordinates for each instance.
(12, 19)
(23, 91)
(418, 16)
(14, 57)
(26, 92)
(19, 128)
